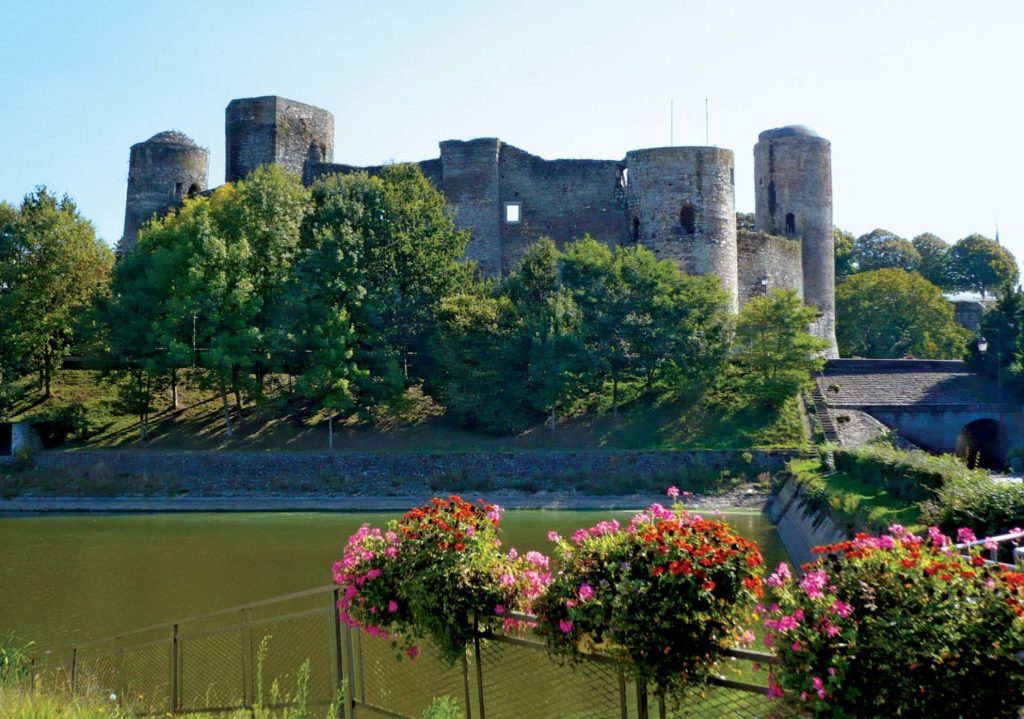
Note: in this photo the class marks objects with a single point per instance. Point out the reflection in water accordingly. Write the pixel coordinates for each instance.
(68, 579)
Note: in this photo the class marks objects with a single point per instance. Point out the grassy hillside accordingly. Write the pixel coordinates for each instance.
(415, 423)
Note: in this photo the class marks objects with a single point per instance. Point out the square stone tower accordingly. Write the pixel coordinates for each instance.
(271, 129)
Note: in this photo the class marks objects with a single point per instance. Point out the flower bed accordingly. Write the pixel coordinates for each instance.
(665, 594)
(898, 625)
(433, 574)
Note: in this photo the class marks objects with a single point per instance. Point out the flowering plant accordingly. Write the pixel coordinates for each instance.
(898, 625)
(432, 574)
(664, 594)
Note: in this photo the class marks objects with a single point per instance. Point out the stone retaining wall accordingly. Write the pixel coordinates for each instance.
(253, 470)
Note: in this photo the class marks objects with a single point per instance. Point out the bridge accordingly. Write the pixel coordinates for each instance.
(938, 405)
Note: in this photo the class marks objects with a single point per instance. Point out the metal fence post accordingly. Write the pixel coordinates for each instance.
(249, 689)
(465, 684)
(74, 670)
(623, 707)
(479, 669)
(350, 656)
(175, 671)
(339, 665)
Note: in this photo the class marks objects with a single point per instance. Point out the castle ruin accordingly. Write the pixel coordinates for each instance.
(679, 202)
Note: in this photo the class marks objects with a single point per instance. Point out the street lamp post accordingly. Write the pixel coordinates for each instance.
(983, 348)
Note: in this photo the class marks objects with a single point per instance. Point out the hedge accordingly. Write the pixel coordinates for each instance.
(912, 476)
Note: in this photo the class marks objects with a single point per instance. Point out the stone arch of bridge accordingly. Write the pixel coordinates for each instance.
(982, 443)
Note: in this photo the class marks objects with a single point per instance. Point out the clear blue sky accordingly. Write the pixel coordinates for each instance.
(922, 100)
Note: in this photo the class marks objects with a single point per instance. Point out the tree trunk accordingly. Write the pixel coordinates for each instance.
(174, 389)
(615, 396)
(227, 409)
(330, 431)
(553, 418)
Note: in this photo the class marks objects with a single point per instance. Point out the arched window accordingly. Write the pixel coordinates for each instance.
(193, 189)
(688, 219)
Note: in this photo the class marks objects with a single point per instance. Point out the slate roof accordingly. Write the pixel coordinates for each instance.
(918, 384)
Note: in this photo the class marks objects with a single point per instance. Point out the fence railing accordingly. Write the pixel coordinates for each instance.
(250, 656)
(1010, 545)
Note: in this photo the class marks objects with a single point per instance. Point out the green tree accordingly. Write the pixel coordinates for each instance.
(979, 264)
(774, 351)
(844, 252)
(746, 221)
(1003, 328)
(934, 265)
(881, 249)
(53, 267)
(892, 313)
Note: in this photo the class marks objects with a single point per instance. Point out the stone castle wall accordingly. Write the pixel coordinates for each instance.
(766, 262)
(679, 202)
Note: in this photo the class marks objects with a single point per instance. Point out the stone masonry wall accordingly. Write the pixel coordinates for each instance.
(256, 469)
(469, 180)
(560, 199)
(265, 130)
(761, 256)
(682, 207)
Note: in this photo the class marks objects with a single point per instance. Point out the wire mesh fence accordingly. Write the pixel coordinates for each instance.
(291, 649)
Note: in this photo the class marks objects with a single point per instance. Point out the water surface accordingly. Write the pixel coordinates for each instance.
(67, 579)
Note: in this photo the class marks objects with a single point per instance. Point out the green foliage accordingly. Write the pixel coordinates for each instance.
(745, 221)
(1003, 327)
(911, 476)
(843, 242)
(15, 661)
(665, 596)
(52, 266)
(443, 708)
(882, 249)
(892, 313)
(934, 265)
(773, 348)
(894, 626)
(982, 265)
(989, 508)
(59, 423)
(854, 504)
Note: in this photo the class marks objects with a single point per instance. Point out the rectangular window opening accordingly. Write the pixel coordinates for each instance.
(513, 212)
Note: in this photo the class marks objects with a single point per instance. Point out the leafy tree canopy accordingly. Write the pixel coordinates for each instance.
(934, 265)
(880, 249)
(979, 264)
(892, 313)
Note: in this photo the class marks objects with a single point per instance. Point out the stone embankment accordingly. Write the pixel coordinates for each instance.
(801, 530)
(225, 472)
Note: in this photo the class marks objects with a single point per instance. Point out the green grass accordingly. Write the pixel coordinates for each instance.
(860, 504)
(415, 423)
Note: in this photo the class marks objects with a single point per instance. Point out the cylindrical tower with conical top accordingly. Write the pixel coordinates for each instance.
(682, 207)
(793, 197)
(162, 172)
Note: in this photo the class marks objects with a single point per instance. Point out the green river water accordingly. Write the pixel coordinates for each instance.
(71, 579)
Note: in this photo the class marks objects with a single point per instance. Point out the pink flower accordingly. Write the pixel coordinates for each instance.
(553, 536)
(965, 535)
(565, 625)
(586, 592)
(937, 538)
(513, 555)
(392, 606)
(774, 690)
(841, 609)
(795, 646)
(819, 686)
(991, 544)
(673, 492)
(813, 582)
(499, 609)
(780, 577)
(413, 652)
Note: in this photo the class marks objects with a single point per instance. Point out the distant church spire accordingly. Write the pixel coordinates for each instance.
(997, 234)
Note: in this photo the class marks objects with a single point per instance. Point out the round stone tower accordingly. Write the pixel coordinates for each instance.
(162, 172)
(682, 207)
(793, 197)
(274, 130)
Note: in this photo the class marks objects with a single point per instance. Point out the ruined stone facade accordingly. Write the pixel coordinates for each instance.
(677, 201)
(162, 172)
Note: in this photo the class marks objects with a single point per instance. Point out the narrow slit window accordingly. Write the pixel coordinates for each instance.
(790, 223)
(513, 213)
(177, 189)
(635, 230)
(688, 219)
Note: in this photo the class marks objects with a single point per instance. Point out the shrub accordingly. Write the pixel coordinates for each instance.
(987, 507)
(665, 595)
(433, 575)
(912, 475)
(58, 424)
(897, 626)
(14, 658)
